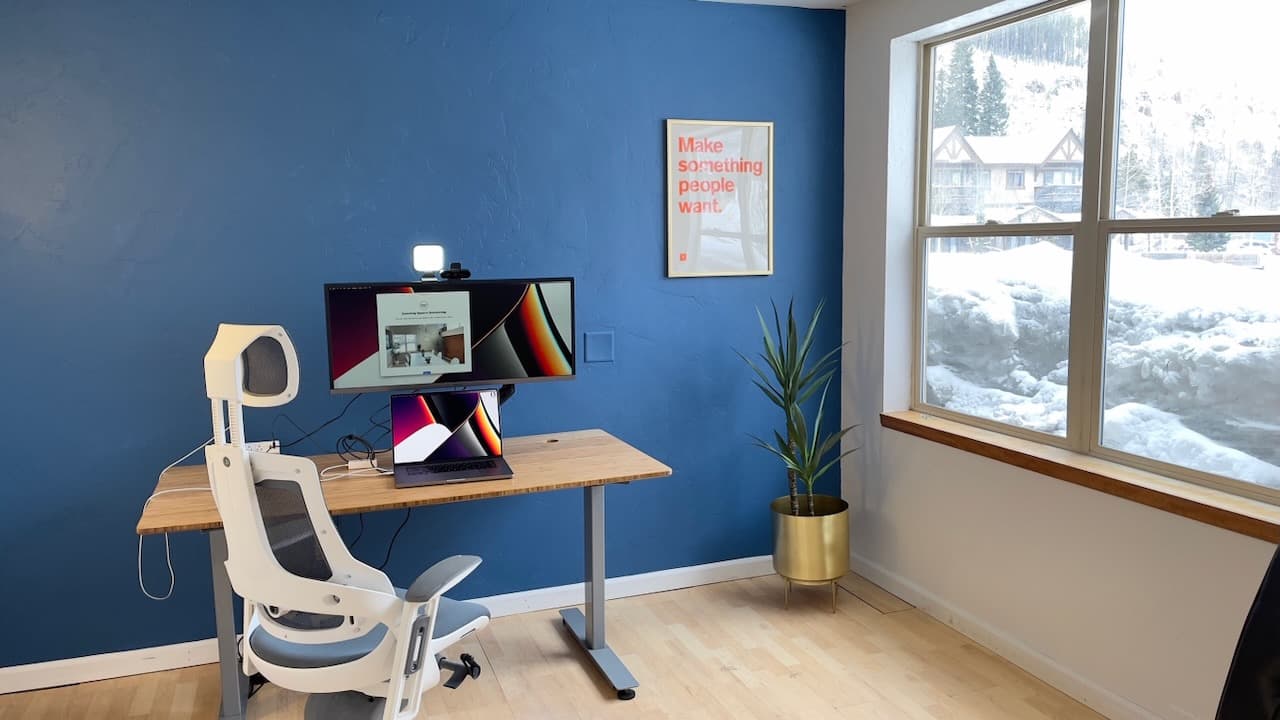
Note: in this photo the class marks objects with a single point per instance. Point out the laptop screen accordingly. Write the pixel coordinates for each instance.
(445, 426)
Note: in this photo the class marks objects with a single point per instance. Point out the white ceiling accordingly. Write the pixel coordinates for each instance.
(819, 4)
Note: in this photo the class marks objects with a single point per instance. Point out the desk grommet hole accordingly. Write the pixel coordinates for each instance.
(553, 440)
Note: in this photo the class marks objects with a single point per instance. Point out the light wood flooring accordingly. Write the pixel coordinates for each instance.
(719, 651)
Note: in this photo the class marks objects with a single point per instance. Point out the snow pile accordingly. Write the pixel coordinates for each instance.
(1193, 353)
(1146, 431)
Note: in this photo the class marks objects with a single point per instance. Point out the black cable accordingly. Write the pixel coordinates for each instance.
(347, 445)
(326, 423)
(359, 534)
(295, 425)
(256, 682)
(378, 423)
(392, 544)
(379, 440)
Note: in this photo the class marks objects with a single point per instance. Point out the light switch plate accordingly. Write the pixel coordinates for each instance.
(599, 346)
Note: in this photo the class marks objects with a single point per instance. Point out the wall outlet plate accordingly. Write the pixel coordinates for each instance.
(263, 446)
(599, 346)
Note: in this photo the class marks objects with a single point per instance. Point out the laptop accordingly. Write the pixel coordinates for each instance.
(446, 437)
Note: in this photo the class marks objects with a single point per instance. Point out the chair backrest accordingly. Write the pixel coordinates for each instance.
(1252, 688)
(284, 554)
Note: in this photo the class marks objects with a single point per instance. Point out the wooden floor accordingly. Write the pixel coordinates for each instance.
(718, 651)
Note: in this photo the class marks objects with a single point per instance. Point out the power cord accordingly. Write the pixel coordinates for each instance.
(359, 533)
(330, 473)
(347, 446)
(392, 544)
(323, 425)
(168, 559)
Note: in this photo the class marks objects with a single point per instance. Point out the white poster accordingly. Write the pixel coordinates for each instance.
(719, 198)
(424, 333)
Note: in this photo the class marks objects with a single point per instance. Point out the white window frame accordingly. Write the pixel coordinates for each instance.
(1090, 255)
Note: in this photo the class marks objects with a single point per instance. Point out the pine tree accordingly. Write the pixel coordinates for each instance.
(1207, 201)
(940, 104)
(961, 92)
(993, 108)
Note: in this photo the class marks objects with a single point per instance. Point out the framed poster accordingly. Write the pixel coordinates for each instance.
(719, 198)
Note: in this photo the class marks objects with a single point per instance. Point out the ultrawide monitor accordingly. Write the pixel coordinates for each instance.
(388, 336)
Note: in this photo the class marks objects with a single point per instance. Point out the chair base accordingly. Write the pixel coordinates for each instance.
(350, 705)
(468, 668)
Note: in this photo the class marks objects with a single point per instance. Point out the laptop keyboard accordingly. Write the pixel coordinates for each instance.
(452, 467)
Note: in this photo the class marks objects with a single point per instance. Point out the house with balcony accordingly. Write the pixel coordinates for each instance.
(1008, 178)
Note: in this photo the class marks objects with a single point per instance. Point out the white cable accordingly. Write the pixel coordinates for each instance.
(167, 559)
(325, 475)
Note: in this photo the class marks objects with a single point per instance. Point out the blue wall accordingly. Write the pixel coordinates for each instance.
(167, 166)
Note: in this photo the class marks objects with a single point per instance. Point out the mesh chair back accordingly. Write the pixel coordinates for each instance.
(289, 529)
(266, 371)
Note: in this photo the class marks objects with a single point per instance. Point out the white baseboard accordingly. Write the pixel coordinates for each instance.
(630, 585)
(107, 665)
(18, 678)
(1083, 689)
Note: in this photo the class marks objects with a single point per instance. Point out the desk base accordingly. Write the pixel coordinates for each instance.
(603, 657)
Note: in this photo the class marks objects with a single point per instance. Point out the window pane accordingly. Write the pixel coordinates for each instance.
(1008, 121)
(996, 322)
(1199, 115)
(1193, 354)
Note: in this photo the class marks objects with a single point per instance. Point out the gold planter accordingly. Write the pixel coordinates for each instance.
(811, 549)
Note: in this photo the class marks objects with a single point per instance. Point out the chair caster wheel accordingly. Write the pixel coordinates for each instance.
(626, 694)
(473, 667)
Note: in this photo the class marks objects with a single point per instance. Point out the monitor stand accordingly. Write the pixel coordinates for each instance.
(505, 392)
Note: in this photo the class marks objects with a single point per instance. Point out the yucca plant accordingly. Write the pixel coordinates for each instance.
(788, 383)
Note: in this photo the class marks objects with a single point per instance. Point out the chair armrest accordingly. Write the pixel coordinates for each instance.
(440, 577)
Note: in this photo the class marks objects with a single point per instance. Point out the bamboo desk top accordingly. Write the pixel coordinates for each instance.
(539, 463)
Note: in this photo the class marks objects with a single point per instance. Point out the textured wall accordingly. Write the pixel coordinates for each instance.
(165, 167)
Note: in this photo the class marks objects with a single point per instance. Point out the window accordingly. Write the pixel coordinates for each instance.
(1126, 302)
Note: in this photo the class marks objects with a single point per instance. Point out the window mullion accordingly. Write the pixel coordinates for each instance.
(1088, 267)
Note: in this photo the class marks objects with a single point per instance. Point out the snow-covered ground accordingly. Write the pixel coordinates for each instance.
(1192, 358)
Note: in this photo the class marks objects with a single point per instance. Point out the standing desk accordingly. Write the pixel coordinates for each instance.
(588, 459)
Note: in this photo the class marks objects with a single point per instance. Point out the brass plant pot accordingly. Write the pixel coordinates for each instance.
(811, 549)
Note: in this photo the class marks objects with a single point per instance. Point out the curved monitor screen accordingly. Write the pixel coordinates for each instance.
(471, 332)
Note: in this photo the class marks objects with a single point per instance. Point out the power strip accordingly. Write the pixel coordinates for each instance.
(263, 446)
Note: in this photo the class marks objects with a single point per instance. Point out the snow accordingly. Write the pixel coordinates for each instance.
(1192, 353)
(1146, 431)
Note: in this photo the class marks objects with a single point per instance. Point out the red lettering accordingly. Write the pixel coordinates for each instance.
(701, 145)
(688, 207)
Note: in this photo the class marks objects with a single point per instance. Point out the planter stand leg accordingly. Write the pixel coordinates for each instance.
(786, 594)
(833, 596)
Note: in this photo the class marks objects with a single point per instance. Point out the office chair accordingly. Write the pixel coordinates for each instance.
(1252, 688)
(316, 619)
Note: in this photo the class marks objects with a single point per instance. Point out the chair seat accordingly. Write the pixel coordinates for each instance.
(453, 615)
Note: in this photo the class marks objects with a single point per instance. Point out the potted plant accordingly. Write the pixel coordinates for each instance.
(810, 532)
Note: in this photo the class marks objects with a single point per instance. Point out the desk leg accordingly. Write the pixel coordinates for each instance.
(234, 684)
(587, 625)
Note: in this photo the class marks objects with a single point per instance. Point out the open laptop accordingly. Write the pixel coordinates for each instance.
(446, 437)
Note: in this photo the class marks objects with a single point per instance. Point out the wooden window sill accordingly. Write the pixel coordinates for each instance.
(1213, 507)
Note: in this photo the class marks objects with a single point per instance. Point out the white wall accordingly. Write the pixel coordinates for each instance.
(1130, 609)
